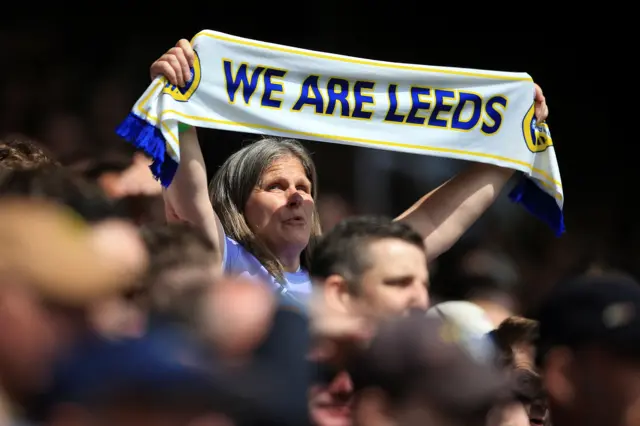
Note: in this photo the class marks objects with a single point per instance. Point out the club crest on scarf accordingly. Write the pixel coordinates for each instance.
(536, 135)
(182, 94)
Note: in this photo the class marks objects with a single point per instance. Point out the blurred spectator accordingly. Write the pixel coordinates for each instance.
(135, 179)
(64, 133)
(482, 275)
(125, 178)
(589, 341)
(184, 264)
(48, 285)
(516, 338)
(19, 152)
(61, 186)
(165, 377)
(424, 370)
(332, 208)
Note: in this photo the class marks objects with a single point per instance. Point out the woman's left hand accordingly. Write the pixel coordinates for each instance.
(542, 110)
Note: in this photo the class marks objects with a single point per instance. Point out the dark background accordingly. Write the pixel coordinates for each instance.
(69, 78)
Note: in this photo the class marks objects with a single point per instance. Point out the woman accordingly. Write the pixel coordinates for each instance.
(264, 218)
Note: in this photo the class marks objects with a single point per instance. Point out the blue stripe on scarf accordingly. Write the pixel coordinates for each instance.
(539, 203)
(147, 137)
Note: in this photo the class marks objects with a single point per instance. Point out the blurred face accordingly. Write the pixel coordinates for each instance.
(330, 403)
(236, 316)
(280, 208)
(589, 387)
(513, 414)
(117, 317)
(28, 341)
(397, 280)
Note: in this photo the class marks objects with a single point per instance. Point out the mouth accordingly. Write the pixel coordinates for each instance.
(296, 221)
(336, 409)
(536, 422)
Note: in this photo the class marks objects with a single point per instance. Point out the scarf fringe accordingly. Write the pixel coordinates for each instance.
(147, 137)
(539, 203)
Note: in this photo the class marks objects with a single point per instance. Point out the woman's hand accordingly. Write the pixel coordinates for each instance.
(542, 110)
(175, 65)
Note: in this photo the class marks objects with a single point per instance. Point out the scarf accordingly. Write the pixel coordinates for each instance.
(251, 86)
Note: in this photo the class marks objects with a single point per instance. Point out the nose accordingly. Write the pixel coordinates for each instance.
(341, 384)
(294, 199)
(420, 297)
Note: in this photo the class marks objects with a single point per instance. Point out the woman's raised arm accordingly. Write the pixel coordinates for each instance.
(444, 215)
(187, 198)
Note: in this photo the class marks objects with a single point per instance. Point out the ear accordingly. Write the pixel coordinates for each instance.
(337, 295)
(558, 377)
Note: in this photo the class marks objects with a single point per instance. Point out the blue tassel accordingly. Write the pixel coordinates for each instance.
(539, 203)
(145, 136)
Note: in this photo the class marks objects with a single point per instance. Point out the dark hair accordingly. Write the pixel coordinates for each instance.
(343, 250)
(511, 333)
(175, 249)
(528, 386)
(18, 152)
(176, 244)
(62, 186)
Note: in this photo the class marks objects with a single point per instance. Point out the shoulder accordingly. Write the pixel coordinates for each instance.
(235, 254)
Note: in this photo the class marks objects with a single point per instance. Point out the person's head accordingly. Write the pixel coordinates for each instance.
(364, 264)
(183, 264)
(331, 397)
(516, 337)
(528, 405)
(18, 152)
(48, 283)
(264, 196)
(372, 263)
(57, 184)
(485, 276)
(425, 370)
(588, 350)
(165, 377)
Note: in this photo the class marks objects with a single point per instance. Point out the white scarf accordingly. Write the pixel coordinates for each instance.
(251, 86)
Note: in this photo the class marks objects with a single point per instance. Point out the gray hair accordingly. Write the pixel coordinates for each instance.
(233, 184)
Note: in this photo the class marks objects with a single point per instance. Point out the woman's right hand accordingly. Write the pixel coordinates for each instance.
(175, 65)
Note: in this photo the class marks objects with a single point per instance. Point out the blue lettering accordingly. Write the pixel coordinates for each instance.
(361, 99)
(310, 84)
(338, 96)
(440, 106)
(456, 119)
(271, 87)
(241, 79)
(393, 106)
(494, 114)
(417, 104)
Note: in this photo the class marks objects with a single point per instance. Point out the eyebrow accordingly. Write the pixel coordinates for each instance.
(398, 279)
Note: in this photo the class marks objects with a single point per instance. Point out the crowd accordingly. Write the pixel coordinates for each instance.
(231, 302)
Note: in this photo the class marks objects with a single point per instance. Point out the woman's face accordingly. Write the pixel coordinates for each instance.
(280, 208)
